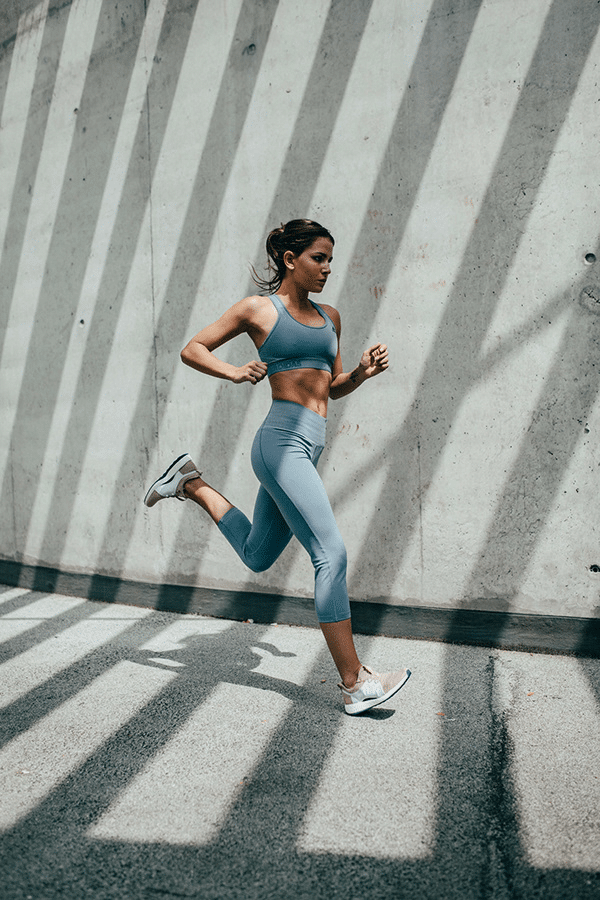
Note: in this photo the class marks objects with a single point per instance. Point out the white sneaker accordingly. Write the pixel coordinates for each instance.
(372, 689)
(172, 482)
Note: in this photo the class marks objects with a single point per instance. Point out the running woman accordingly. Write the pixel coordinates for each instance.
(298, 347)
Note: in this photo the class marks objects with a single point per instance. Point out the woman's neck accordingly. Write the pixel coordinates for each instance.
(294, 294)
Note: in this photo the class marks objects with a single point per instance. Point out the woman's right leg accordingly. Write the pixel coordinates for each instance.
(338, 635)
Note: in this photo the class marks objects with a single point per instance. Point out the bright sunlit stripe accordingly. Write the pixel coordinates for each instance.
(70, 79)
(109, 209)
(27, 617)
(557, 794)
(188, 123)
(185, 792)
(32, 668)
(264, 141)
(266, 133)
(37, 761)
(398, 822)
(12, 594)
(364, 123)
(269, 127)
(17, 101)
(456, 179)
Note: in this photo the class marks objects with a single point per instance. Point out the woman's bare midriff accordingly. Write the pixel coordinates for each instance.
(308, 387)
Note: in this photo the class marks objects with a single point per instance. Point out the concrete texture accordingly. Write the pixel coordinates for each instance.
(451, 147)
(146, 754)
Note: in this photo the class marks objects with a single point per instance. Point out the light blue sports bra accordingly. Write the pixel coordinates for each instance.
(292, 345)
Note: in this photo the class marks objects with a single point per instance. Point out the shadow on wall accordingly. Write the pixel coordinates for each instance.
(453, 367)
(52, 842)
(37, 400)
(253, 845)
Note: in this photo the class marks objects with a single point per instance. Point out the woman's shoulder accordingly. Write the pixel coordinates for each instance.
(255, 306)
(332, 313)
(257, 313)
(257, 301)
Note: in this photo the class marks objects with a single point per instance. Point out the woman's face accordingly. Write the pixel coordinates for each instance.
(312, 267)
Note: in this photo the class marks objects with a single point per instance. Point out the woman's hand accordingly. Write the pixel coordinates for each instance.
(375, 360)
(253, 372)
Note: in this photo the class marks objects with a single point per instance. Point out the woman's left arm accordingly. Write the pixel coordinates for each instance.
(373, 362)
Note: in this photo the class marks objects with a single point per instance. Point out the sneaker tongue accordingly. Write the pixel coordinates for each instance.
(367, 670)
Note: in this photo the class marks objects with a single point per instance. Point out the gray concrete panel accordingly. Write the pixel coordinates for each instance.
(147, 148)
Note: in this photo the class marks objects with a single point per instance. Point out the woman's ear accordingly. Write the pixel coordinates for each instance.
(288, 259)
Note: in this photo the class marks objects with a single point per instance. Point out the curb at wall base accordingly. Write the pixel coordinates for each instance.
(505, 631)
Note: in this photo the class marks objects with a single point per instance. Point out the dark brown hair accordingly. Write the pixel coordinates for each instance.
(296, 236)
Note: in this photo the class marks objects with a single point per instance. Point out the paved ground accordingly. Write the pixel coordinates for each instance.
(150, 755)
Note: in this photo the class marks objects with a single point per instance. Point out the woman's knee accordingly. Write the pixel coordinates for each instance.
(331, 559)
(338, 558)
(257, 565)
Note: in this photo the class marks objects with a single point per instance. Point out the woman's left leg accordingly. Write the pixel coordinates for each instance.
(208, 498)
(258, 543)
(285, 463)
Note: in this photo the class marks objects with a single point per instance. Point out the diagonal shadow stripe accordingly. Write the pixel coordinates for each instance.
(331, 70)
(413, 138)
(452, 369)
(335, 57)
(225, 130)
(40, 630)
(10, 14)
(58, 858)
(33, 140)
(66, 264)
(230, 110)
(100, 331)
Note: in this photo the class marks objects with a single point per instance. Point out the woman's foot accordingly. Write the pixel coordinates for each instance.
(372, 689)
(172, 482)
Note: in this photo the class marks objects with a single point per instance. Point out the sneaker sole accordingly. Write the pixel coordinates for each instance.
(354, 709)
(153, 495)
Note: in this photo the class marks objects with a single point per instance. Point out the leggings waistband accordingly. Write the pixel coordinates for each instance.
(290, 416)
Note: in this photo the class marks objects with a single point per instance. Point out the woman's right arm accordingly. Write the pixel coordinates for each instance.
(198, 353)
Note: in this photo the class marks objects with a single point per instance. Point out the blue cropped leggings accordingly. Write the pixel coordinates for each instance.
(292, 501)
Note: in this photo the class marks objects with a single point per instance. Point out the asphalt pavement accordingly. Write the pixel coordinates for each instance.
(150, 755)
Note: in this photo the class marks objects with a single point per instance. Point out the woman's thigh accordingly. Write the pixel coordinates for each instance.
(285, 466)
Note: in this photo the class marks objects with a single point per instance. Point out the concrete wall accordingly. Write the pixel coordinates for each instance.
(452, 148)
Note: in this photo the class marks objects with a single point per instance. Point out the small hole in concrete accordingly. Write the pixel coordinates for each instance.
(590, 258)
(594, 568)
